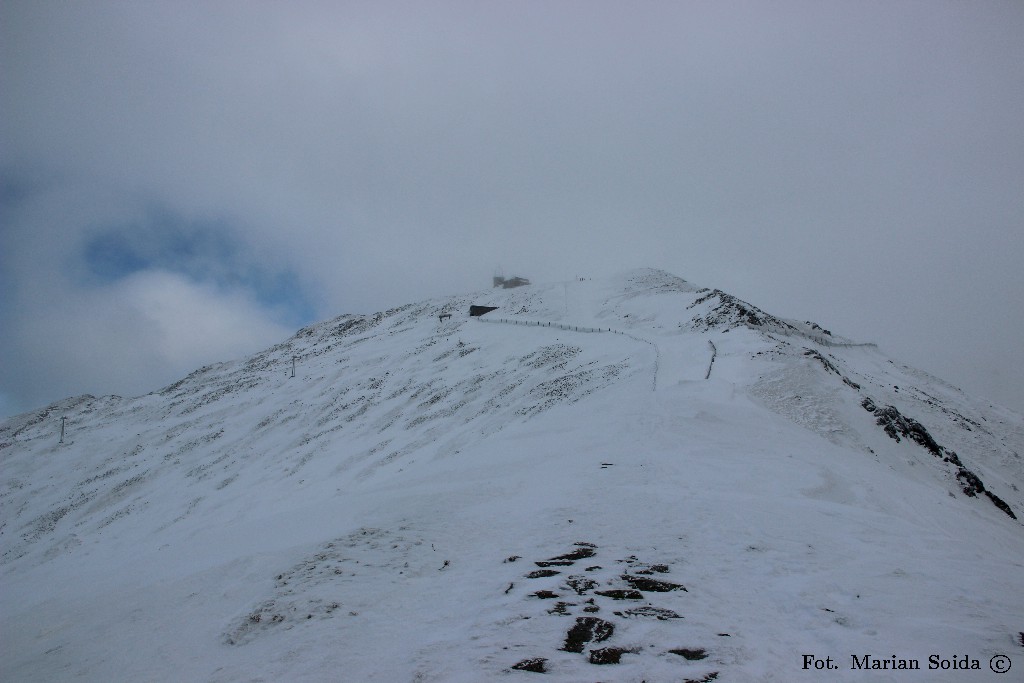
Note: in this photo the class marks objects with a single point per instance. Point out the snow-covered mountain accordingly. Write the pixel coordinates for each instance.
(627, 479)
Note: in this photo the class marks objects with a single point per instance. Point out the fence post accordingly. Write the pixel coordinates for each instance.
(62, 421)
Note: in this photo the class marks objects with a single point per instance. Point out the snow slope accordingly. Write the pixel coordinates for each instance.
(627, 469)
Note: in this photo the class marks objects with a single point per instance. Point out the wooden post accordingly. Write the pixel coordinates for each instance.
(293, 366)
(62, 421)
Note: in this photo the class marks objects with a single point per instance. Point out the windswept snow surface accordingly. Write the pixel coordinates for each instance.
(431, 500)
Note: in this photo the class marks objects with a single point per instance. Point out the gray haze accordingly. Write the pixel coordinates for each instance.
(186, 182)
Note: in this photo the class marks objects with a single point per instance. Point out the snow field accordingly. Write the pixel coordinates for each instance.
(357, 522)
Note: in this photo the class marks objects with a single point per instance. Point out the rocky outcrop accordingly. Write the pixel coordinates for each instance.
(897, 425)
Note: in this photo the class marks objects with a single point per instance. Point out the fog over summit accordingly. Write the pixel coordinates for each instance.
(184, 183)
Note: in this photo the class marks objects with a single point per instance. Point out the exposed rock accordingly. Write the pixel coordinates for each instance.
(621, 594)
(568, 558)
(536, 665)
(828, 365)
(642, 583)
(581, 584)
(730, 312)
(609, 655)
(541, 573)
(895, 425)
(561, 608)
(650, 611)
(587, 630)
(707, 679)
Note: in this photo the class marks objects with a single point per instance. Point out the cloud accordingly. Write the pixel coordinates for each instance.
(206, 252)
(187, 322)
(133, 335)
(123, 300)
(855, 163)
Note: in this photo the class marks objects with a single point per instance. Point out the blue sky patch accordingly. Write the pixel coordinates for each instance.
(208, 252)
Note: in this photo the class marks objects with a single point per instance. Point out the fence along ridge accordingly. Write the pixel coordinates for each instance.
(581, 328)
(538, 323)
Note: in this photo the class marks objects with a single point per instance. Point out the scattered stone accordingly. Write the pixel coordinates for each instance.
(580, 584)
(650, 611)
(707, 679)
(541, 573)
(586, 630)
(536, 665)
(609, 655)
(621, 594)
(561, 608)
(568, 558)
(589, 630)
(513, 558)
(644, 584)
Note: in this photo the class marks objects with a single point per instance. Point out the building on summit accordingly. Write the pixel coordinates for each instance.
(509, 283)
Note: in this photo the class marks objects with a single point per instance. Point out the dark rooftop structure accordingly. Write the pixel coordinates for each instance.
(476, 311)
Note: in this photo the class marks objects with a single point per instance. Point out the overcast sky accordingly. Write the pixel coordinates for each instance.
(187, 182)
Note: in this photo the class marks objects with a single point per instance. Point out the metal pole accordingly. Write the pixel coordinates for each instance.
(293, 366)
(62, 421)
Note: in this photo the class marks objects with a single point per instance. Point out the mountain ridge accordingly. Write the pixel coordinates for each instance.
(412, 455)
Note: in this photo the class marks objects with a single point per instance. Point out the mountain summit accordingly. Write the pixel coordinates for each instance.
(629, 479)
